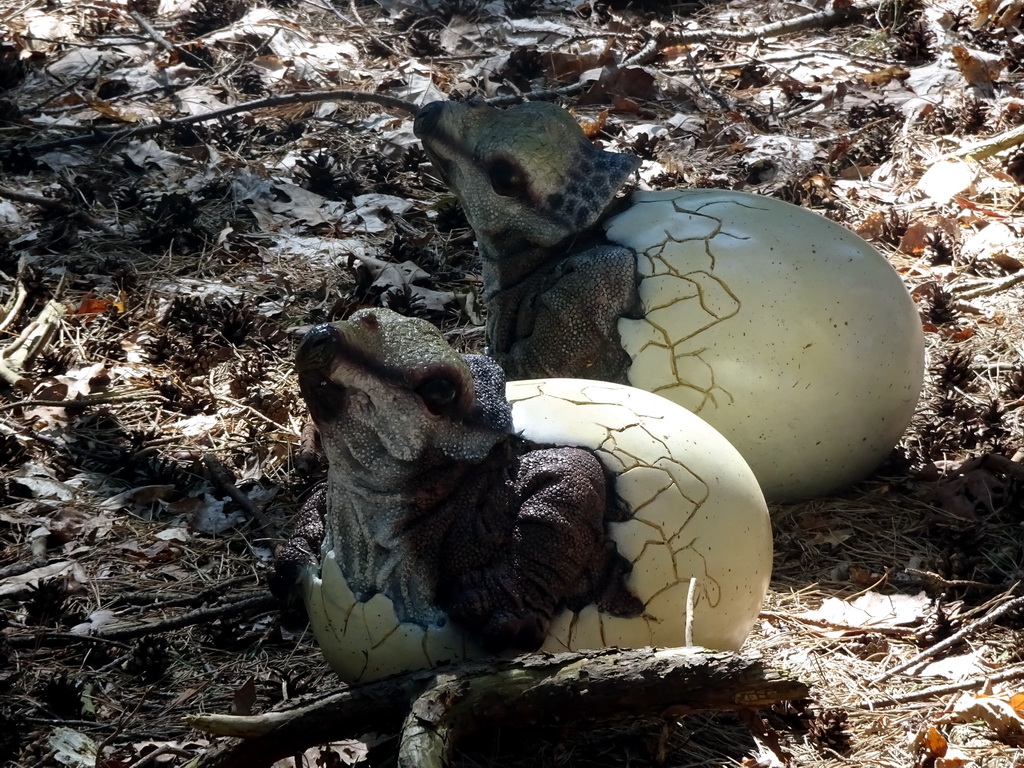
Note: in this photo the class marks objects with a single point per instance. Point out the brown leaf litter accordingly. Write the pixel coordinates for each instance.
(157, 274)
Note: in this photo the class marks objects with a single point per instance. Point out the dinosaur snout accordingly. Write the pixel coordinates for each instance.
(317, 348)
(427, 118)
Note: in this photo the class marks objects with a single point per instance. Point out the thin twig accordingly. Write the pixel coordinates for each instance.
(1012, 673)
(19, 11)
(223, 479)
(258, 603)
(99, 399)
(937, 582)
(832, 626)
(824, 18)
(952, 640)
(148, 28)
(706, 89)
(164, 600)
(988, 288)
(279, 100)
(60, 207)
(49, 637)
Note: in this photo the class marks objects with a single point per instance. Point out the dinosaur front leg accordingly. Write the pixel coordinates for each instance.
(565, 318)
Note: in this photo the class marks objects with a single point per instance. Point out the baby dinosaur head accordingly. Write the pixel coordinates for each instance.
(527, 176)
(391, 398)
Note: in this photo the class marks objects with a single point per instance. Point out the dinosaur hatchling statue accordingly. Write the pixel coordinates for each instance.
(786, 332)
(444, 532)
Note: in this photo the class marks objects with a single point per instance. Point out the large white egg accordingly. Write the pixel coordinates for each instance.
(791, 335)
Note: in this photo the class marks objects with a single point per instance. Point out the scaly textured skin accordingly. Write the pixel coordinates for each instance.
(433, 503)
(647, 529)
(785, 331)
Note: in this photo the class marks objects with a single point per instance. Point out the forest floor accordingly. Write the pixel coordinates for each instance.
(159, 258)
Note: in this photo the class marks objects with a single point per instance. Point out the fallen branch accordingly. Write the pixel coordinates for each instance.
(224, 480)
(29, 343)
(99, 136)
(1015, 672)
(435, 709)
(988, 288)
(992, 145)
(102, 398)
(834, 15)
(65, 209)
(957, 637)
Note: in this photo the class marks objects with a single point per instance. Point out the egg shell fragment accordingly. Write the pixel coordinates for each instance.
(700, 535)
(365, 640)
(788, 333)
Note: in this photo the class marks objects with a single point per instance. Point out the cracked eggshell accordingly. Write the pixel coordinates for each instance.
(700, 536)
(364, 641)
(700, 533)
(788, 333)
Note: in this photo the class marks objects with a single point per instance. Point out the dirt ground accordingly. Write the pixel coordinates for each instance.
(160, 254)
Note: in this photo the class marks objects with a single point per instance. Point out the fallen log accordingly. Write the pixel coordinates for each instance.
(434, 709)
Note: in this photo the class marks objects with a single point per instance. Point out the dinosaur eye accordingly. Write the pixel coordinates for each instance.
(506, 178)
(438, 393)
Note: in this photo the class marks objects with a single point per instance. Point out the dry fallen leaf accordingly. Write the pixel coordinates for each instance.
(593, 127)
(96, 620)
(244, 698)
(978, 69)
(954, 758)
(16, 584)
(953, 667)
(72, 748)
(946, 179)
(209, 516)
(143, 496)
(934, 743)
(998, 242)
(997, 712)
(885, 76)
(1005, 14)
(872, 609)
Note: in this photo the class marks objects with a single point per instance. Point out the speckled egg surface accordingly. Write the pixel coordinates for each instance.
(791, 335)
(700, 534)
(700, 539)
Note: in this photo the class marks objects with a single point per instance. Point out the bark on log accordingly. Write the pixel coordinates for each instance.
(434, 709)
